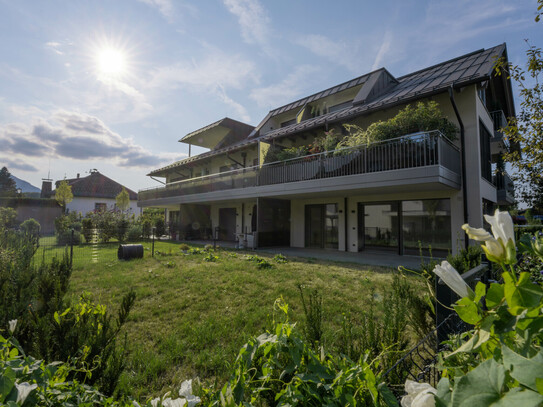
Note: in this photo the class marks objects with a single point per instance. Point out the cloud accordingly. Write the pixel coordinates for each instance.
(78, 136)
(383, 49)
(340, 52)
(13, 164)
(55, 47)
(284, 91)
(214, 74)
(252, 18)
(165, 7)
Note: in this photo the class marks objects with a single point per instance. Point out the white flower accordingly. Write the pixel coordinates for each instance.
(451, 277)
(186, 392)
(499, 248)
(12, 325)
(23, 390)
(418, 395)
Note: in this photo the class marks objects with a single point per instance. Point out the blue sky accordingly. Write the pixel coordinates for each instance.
(114, 85)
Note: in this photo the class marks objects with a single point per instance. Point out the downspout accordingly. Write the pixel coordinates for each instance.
(463, 160)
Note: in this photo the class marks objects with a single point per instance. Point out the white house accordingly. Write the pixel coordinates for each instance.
(390, 196)
(96, 192)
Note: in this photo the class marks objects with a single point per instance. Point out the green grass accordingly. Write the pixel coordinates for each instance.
(192, 316)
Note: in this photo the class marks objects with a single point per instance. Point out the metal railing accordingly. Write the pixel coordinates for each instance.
(500, 121)
(503, 182)
(411, 151)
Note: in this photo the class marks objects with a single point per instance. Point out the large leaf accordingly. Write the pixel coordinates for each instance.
(524, 370)
(7, 381)
(494, 296)
(467, 310)
(481, 387)
(523, 294)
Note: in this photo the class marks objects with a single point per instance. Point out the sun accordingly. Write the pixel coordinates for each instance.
(111, 62)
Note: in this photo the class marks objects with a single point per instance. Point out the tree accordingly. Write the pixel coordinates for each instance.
(122, 200)
(63, 194)
(8, 187)
(526, 130)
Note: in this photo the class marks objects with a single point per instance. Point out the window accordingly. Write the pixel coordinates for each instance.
(340, 106)
(100, 207)
(486, 157)
(426, 226)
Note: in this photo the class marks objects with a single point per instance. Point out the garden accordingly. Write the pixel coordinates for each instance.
(209, 326)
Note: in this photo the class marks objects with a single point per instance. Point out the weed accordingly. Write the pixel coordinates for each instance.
(184, 247)
(313, 317)
(279, 258)
(211, 257)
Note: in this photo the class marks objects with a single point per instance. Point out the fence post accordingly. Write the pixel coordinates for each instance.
(444, 298)
(72, 248)
(153, 231)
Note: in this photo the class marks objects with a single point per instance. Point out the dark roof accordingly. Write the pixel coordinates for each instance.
(203, 156)
(474, 67)
(319, 95)
(232, 132)
(97, 185)
(470, 68)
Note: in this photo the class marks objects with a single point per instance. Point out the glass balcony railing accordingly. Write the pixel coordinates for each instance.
(411, 151)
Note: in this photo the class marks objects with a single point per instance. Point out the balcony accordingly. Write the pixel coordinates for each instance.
(500, 121)
(505, 188)
(412, 155)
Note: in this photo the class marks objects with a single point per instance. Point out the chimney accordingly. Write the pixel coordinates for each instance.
(77, 175)
(46, 188)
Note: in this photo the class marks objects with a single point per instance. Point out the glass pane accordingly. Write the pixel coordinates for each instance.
(381, 225)
(331, 227)
(427, 224)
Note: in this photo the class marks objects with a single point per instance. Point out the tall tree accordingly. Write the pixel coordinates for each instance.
(122, 200)
(8, 187)
(63, 194)
(526, 130)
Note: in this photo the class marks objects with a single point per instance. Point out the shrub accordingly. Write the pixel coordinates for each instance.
(134, 233)
(160, 226)
(211, 257)
(65, 238)
(279, 258)
(261, 263)
(7, 218)
(122, 227)
(87, 229)
(184, 247)
(31, 227)
(465, 260)
(422, 117)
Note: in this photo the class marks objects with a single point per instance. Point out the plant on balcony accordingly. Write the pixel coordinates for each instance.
(326, 142)
(422, 117)
(277, 153)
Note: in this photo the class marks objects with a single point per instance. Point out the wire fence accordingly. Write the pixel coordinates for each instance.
(94, 247)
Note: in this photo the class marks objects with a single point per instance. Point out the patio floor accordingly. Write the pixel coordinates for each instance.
(373, 258)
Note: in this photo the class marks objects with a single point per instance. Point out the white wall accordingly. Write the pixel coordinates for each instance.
(85, 205)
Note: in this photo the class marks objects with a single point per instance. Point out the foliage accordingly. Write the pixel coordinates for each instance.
(526, 130)
(500, 360)
(122, 227)
(261, 262)
(87, 229)
(326, 142)
(313, 317)
(279, 368)
(66, 238)
(160, 226)
(63, 194)
(466, 259)
(134, 233)
(210, 257)
(380, 331)
(31, 227)
(8, 218)
(277, 153)
(280, 258)
(8, 187)
(51, 327)
(122, 200)
(184, 247)
(422, 117)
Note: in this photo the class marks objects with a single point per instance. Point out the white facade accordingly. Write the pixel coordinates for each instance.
(85, 205)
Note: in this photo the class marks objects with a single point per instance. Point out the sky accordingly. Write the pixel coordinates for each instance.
(114, 84)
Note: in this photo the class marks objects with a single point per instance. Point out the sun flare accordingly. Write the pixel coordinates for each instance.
(111, 62)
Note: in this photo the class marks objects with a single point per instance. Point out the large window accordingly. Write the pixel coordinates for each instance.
(486, 157)
(426, 225)
(321, 226)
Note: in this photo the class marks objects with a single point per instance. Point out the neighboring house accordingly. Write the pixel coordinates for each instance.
(96, 192)
(397, 195)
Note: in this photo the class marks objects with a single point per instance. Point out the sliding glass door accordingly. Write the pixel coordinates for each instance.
(321, 226)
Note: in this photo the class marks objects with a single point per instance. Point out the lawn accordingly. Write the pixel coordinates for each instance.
(192, 316)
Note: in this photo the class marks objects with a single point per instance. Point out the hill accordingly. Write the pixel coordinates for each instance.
(25, 186)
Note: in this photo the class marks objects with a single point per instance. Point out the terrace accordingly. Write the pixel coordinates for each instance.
(413, 155)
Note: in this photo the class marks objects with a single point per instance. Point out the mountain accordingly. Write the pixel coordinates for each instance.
(25, 186)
